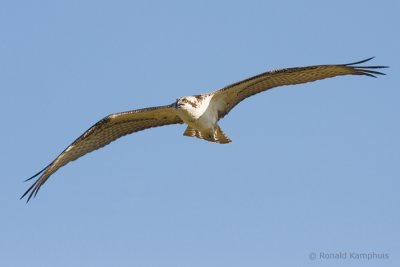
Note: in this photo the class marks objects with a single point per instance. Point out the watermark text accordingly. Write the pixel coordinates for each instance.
(348, 255)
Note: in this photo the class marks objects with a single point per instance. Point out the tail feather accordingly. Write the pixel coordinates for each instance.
(221, 137)
(218, 136)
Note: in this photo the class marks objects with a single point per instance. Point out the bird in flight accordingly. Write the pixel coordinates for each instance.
(200, 113)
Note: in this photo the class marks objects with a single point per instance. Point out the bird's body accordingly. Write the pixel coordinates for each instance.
(200, 113)
(197, 112)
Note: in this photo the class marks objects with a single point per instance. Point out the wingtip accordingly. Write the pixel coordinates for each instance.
(32, 193)
(37, 174)
(366, 60)
(366, 70)
(34, 188)
(360, 62)
(27, 191)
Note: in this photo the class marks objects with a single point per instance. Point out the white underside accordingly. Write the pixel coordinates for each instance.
(202, 118)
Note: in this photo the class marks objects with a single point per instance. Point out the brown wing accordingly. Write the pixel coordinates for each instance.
(104, 132)
(228, 97)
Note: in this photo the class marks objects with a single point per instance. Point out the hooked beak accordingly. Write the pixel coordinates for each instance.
(178, 104)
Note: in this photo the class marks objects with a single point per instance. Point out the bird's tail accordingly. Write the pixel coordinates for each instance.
(217, 137)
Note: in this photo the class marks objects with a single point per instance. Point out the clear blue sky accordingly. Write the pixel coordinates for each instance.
(315, 170)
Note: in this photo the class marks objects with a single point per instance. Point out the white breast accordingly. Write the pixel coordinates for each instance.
(202, 117)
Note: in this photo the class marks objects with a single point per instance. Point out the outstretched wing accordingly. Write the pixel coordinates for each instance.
(228, 97)
(104, 132)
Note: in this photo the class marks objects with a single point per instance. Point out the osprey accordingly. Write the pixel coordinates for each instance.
(200, 113)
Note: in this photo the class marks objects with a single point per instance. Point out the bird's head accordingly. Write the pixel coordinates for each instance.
(186, 103)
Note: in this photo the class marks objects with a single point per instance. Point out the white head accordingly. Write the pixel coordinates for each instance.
(188, 103)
